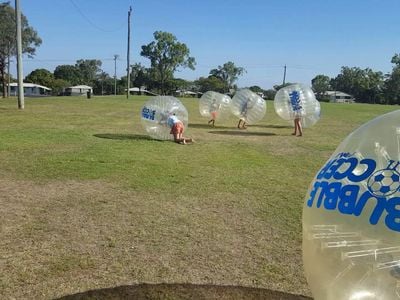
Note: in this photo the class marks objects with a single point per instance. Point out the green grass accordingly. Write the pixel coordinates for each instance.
(88, 201)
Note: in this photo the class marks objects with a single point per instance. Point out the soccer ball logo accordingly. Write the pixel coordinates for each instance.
(384, 182)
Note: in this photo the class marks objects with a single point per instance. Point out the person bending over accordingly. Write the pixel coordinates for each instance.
(177, 129)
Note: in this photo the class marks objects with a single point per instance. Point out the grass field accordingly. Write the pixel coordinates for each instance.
(87, 201)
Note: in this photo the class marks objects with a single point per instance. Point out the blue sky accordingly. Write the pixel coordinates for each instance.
(311, 37)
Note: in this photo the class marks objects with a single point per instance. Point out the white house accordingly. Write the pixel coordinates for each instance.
(181, 93)
(339, 97)
(78, 90)
(139, 91)
(30, 89)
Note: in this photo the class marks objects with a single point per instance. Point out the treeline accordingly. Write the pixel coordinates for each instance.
(366, 85)
(89, 72)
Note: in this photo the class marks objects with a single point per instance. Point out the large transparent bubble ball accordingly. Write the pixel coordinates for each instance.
(155, 112)
(297, 98)
(213, 102)
(248, 106)
(351, 217)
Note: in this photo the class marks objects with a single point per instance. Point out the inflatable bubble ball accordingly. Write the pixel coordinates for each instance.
(215, 105)
(351, 217)
(248, 106)
(297, 100)
(155, 112)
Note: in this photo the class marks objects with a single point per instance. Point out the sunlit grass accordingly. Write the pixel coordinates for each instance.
(86, 194)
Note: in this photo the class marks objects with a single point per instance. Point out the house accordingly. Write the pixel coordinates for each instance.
(140, 91)
(30, 89)
(339, 97)
(181, 93)
(78, 90)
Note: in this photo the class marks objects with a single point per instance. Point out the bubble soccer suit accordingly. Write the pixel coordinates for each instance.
(155, 113)
(351, 217)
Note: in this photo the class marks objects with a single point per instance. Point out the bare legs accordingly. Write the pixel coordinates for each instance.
(297, 127)
(180, 139)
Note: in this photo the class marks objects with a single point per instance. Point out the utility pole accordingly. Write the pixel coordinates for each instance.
(128, 53)
(284, 75)
(19, 56)
(115, 73)
(8, 70)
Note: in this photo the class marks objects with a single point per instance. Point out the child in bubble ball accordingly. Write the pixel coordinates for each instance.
(214, 112)
(177, 129)
(243, 114)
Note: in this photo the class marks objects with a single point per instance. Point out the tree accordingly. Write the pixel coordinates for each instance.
(211, 83)
(68, 73)
(320, 84)
(228, 73)
(396, 60)
(58, 86)
(279, 86)
(365, 85)
(180, 84)
(88, 70)
(85, 71)
(41, 76)
(269, 94)
(140, 76)
(392, 82)
(8, 48)
(166, 54)
(256, 89)
(104, 84)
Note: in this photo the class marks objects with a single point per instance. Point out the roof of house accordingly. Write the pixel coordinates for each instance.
(188, 92)
(136, 89)
(80, 87)
(337, 93)
(28, 84)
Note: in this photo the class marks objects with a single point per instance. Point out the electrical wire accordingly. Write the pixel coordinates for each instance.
(91, 22)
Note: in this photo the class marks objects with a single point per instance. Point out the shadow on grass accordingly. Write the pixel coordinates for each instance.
(241, 133)
(206, 126)
(183, 291)
(271, 126)
(120, 136)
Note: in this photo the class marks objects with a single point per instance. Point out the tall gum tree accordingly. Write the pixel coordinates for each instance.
(228, 73)
(166, 54)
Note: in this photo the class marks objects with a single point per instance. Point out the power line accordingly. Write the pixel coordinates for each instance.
(64, 60)
(91, 22)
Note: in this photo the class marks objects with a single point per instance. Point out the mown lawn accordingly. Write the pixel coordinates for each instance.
(88, 201)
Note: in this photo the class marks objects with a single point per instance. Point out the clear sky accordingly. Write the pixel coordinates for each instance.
(311, 37)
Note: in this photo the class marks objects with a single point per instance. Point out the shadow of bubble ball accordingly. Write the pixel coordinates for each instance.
(184, 291)
(297, 99)
(155, 112)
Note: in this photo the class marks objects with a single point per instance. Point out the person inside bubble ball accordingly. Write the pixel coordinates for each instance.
(177, 129)
(214, 107)
(298, 112)
(243, 114)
